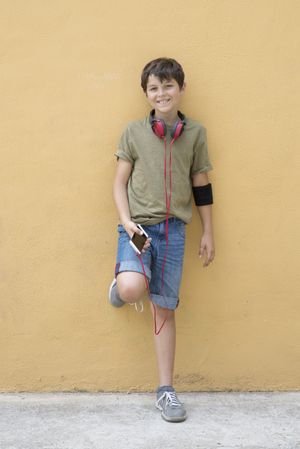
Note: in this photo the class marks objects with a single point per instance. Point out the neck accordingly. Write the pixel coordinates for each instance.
(169, 118)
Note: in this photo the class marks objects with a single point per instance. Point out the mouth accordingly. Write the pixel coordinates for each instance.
(163, 102)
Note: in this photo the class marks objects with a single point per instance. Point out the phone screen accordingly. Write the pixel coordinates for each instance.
(139, 241)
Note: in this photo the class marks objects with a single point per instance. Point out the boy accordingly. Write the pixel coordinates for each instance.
(162, 163)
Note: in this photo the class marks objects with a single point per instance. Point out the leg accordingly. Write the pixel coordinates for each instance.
(165, 343)
(167, 401)
(165, 296)
(128, 286)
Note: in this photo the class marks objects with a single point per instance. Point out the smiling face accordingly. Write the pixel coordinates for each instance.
(164, 96)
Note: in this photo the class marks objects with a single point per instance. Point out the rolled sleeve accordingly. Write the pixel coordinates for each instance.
(201, 162)
(125, 148)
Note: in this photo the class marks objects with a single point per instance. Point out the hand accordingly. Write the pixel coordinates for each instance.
(207, 249)
(131, 228)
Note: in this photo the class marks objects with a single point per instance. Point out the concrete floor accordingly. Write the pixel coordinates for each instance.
(128, 421)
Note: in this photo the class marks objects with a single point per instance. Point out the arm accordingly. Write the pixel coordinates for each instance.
(122, 176)
(207, 241)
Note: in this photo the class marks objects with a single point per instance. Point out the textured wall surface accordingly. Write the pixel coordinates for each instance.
(69, 83)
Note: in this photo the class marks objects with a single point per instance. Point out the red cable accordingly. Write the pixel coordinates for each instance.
(168, 205)
(152, 303)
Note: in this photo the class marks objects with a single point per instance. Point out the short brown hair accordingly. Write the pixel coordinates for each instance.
(164, 69)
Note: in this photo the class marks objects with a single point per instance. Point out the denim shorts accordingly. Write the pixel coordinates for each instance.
(164, 293)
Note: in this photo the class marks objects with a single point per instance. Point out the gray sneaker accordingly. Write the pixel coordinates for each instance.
(172, 409)
(113, 295)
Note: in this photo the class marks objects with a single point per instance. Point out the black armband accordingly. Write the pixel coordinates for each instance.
(203, 195)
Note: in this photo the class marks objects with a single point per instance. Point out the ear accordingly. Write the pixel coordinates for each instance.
(183, 87)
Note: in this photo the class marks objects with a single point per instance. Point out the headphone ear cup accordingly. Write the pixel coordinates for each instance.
(160, 129)
(177, 129)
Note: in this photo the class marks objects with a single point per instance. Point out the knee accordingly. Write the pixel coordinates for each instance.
(129, 292)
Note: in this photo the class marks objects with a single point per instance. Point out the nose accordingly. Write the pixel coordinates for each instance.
(160, 91)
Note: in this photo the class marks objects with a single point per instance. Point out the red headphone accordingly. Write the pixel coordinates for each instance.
(160, 128)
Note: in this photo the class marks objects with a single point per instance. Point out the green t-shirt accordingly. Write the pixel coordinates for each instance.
(145, 151)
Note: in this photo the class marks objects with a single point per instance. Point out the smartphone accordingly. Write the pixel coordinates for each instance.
(138, 241)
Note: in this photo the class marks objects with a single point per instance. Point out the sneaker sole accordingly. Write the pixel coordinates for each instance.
(114, 282)
(172, 418)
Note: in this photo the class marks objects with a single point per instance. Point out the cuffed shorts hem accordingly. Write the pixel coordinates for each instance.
(132, 265)
(165, 302)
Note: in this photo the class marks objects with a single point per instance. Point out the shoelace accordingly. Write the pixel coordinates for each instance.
(171, 399)
(139, 306)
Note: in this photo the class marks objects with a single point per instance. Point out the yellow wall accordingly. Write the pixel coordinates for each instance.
(70, 74)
